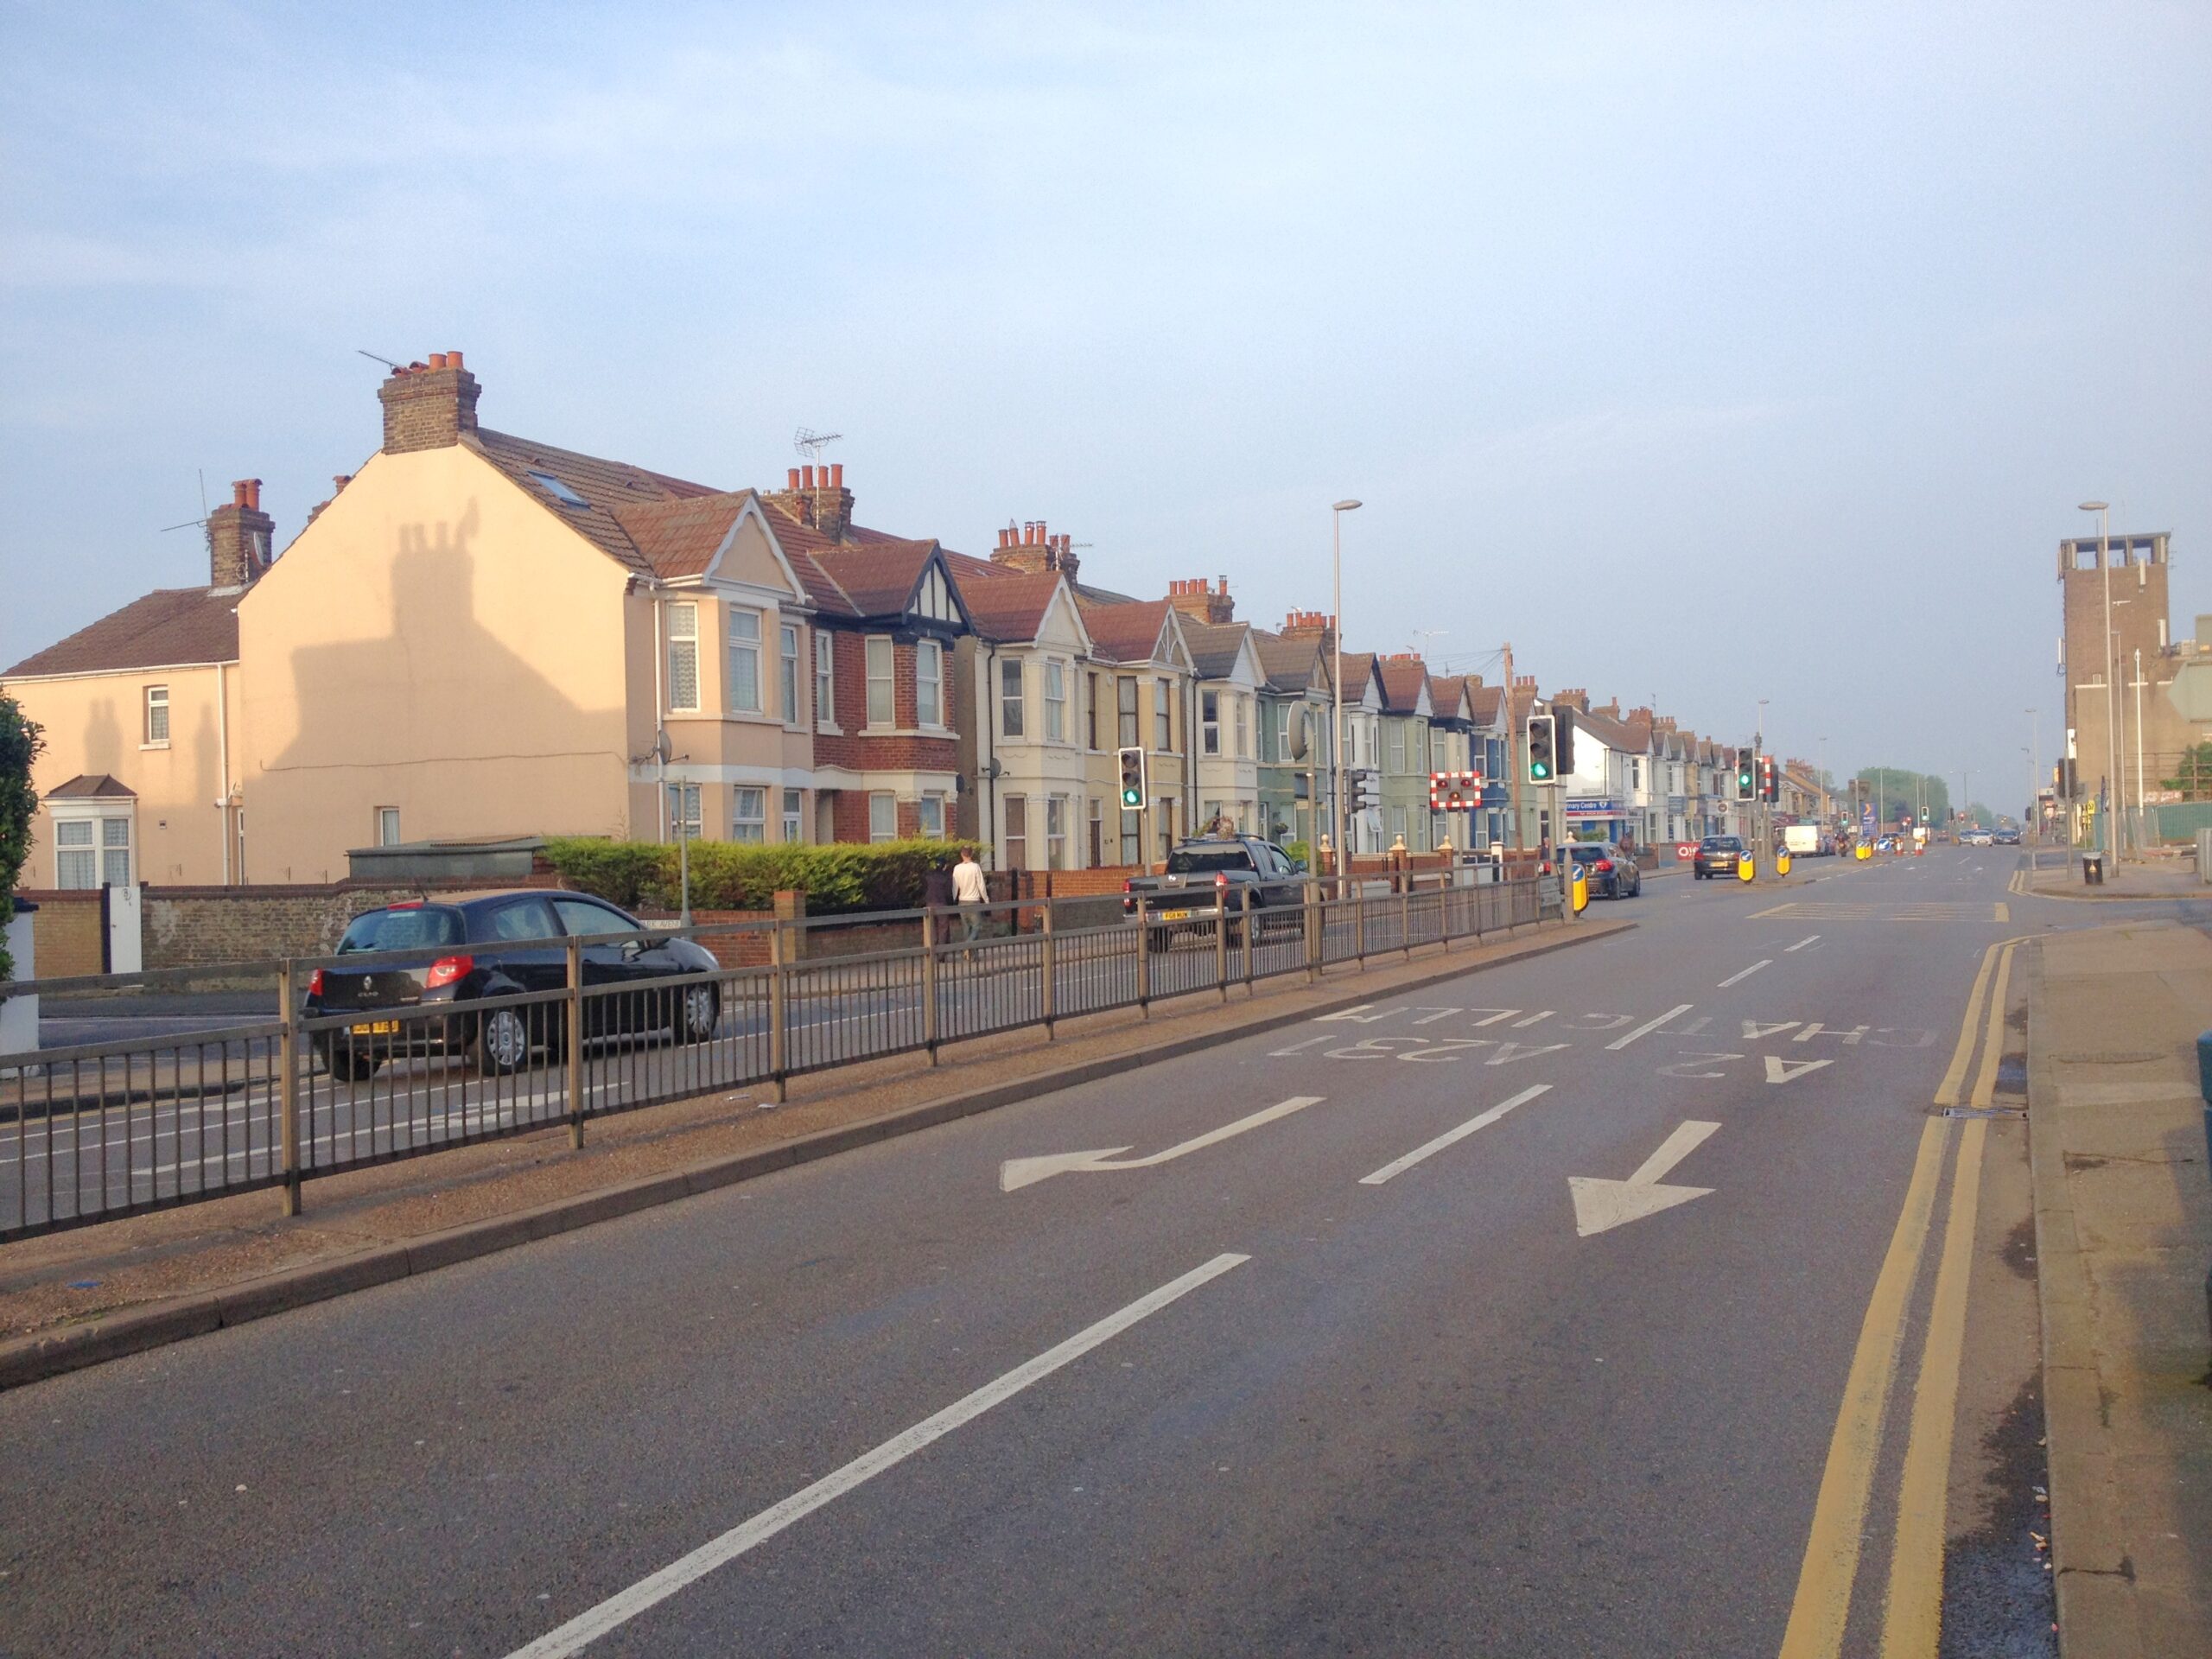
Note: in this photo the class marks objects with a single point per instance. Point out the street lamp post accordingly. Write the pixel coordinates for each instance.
(2103, 510)
(2035, 772)
(1337, 683)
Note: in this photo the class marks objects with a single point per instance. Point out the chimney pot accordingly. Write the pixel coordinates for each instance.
(253, 493)
(452, 359)
(806, 477)
(339, 482)
(238, 494)
(836, 475)
(437, 360)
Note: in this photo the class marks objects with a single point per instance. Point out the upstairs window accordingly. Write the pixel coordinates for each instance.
(744, 662)
(1163, 733)
(1056, 704)
(683, 657)
(882, 706)
(1243, 728)
(387, 826)
(826, 677)
(1125, 691)
(789, 684)
(157, 716)
(1012, 713)
(1209, 722)
(929, 682)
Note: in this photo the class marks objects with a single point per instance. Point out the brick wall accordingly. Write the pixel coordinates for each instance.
(192, 927)
(65, 933)
(902, 754)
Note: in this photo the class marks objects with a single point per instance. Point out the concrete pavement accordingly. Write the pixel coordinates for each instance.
(1576, 1307)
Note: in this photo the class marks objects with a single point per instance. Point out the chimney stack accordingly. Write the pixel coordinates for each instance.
(428, 405)
(1030, 549)
(238, 535)
(816, 496)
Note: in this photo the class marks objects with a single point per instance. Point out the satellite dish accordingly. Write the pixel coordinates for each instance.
(1298, 722)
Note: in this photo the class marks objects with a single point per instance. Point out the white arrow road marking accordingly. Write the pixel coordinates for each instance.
(1016, 1173)
(1399, 1167)
(623, 1607)
(1764, 962)
(1600, 1203)
(1781, 1070)
(1649, 1025)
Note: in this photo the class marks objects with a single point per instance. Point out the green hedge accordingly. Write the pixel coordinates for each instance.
(837, 878)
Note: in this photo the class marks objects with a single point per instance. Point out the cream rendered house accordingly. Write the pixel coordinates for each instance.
(1145, 676)
(1228, 676)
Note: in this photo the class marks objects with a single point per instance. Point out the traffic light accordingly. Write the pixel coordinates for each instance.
(1747, 774)
(2067, 789)
(1359, 791)
(1543, 756)
(1770, 779)
(1563, 739)
(1133, 790)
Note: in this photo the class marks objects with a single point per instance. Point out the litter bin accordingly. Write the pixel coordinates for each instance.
(2093, 869)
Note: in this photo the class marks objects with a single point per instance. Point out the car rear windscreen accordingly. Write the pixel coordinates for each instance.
(1182, 861)
(1588, 854)
(1722, 844)
(424, 926)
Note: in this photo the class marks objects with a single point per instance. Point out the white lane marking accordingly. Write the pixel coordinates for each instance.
(1649, 1025)
(1801, 944)
(1764, 962)
(1399, 1166)
(618, 1609)
(1599, 1205)
(1279, 1053)
(1781, 1070)
(1017, 1172)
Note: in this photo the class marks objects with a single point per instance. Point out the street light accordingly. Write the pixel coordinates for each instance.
(1336, 681)
(2035, 772)
(2103, 510)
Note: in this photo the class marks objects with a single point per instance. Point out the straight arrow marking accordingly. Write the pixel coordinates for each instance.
(1600, 1205)
(1016, 1173)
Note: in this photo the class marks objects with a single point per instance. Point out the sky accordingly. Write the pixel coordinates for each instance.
(1707, 353)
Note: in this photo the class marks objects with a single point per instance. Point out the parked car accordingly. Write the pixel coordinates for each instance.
(1611, 873)
(1237, 874)
(1717, 856)
(490, 945)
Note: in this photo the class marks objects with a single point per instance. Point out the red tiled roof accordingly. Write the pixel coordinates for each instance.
(1214, 646)
(169, 628)
(1402, 684)
(1127, 634)
(678, 536)
(879, 577)
(606, 488)
(1290, 665)
(1486, 700)
(93, 786)
(1005, 605)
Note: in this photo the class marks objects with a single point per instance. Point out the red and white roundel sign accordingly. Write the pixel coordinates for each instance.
(1686, 850)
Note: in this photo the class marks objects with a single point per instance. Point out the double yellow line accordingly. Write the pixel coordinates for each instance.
(1912, 1610)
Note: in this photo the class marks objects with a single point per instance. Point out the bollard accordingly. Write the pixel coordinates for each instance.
(929, 983)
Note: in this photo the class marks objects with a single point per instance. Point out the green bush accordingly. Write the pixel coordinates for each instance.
(20, 743)
(837, 878)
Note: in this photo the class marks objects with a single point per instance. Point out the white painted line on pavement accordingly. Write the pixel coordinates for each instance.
(1649, 1025)
(1399, 1166)
(1801, 944)
(1764, 962)
(620, 1608)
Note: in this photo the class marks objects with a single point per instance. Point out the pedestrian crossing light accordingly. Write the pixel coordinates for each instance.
(1133, 791)
(1747, 774)
(1543, 759)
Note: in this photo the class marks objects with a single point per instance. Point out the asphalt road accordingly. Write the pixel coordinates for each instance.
(1352, 1339)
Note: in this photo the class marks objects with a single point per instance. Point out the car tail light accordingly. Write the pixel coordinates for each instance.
(314, 984)
(448, 971)
(1128, 887)
(1604, 866)
(1221, 878)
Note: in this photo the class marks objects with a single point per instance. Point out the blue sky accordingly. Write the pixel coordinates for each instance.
(1705, 352)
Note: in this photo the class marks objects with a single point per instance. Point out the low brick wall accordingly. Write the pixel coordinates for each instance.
(66, 932)
(194, 927)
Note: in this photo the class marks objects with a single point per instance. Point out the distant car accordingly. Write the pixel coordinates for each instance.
(1218, 876)
(1717, 856)
(494, 945)
(1610, 872)
(2008, 836)
(1980, 838)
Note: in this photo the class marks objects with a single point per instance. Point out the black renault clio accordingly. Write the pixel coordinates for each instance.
(501, 944)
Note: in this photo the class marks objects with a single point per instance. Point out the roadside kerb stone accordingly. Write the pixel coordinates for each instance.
(68, 1348)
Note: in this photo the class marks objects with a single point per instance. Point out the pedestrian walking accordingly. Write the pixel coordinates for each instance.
(971, 893)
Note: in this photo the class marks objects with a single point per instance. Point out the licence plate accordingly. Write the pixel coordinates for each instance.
(380, 1028)
(1174, 915)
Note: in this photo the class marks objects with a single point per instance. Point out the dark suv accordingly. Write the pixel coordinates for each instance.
(493, 945)
(1611, 873)
(1717, 856)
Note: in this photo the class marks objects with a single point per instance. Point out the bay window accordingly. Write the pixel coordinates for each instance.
(929, 682)
(743, 673)
(882, 706)
(683, 657)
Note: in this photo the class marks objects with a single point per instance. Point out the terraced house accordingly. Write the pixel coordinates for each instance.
(1294, 769)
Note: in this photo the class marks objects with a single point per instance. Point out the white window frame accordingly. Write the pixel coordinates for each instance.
(76, 855)
(929, 811)
(1243, 727)
(1017, 728)
(741, 661)
(1209, 722)
(683, 654)
(1056, 832)
(882, 804)
(748, 813)
(883, 674)
(154, 723)
(1163, 716)
(825, 678)
(1056, 702)
(787, 667)
(794, 815)
(387, 826)
(1129, 724)
(929, 685)
(1014, 810)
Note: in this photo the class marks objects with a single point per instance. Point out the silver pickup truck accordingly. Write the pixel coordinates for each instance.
(1241, 874)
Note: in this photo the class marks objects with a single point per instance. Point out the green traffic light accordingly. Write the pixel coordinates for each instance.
(1539, 772)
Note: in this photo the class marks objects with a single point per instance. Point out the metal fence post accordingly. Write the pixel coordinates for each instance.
(1144, 962)
(929, 983)
(573, 1022)
(1359, 924)
(288, 1087)
(778, 1013)
(1244, 909)
(1312, 918)
(1406, 916)
(1221, 940)
(1050, 1000)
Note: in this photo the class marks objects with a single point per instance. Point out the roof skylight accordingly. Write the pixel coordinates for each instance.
(560, 491)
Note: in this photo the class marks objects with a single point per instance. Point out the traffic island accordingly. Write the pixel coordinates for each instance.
(80, 1298)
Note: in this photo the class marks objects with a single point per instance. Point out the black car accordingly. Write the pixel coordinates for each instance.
(1610, 872)
(1717, 856)
(497, 945)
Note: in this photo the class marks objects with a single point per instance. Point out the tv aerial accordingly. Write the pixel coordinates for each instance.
(202, 521)
(810, 444)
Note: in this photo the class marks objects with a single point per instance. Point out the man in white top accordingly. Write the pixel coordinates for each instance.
(969, 893)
